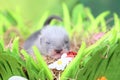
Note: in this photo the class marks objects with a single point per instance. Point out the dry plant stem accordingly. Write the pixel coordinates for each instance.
(17, 34)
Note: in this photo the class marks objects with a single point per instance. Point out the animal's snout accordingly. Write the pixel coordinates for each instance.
(58, 50)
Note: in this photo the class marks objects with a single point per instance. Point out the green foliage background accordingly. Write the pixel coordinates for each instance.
(32, 10)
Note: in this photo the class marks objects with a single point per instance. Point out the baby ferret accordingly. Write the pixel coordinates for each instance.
(50, 40)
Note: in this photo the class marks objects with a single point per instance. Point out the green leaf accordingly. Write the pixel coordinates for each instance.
(116, 22)
(10, 17)
(15, 45)
(102, 16)
(73, 68)
(77, 10)
(9, 66)
(43, 65)
(66, 19)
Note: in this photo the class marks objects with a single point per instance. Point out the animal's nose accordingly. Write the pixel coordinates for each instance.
(58, 50)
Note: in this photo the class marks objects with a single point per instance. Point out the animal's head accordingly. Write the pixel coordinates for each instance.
(54, 41)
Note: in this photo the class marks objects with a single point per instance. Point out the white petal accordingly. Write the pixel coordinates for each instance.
(61, 67)
(64, 55)
(17, 78)
(52, 66)
(69, 59)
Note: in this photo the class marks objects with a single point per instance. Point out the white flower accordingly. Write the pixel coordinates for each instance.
(61, 63)
(65, 58)
(17, 78)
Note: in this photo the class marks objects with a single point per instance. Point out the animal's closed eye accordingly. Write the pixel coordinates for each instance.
(66, 41)
(47, 42)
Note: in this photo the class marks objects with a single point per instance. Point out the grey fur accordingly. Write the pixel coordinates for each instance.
(48, 39)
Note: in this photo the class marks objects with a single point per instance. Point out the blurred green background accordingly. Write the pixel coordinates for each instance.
(32, 10)
(102, 5)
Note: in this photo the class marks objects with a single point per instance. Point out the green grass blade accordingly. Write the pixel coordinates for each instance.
(41, 62)
(66, 19)
(116, 22)
(15, 45)
(72, 69)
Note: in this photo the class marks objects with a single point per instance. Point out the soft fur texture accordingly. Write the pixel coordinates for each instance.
(49, 40)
